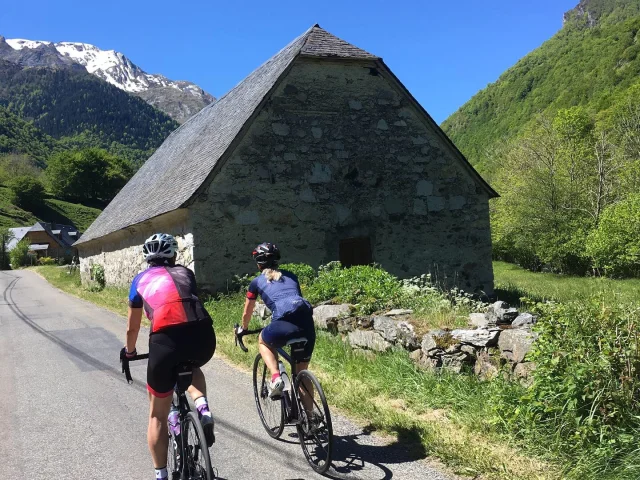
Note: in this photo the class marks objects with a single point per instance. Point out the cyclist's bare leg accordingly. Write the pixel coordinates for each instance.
(198, 386)
(157, 434)
(269, 356)
(306, 399)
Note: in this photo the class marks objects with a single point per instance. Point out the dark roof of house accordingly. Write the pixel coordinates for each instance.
(182, 163)
(175, 172)
(64, 237)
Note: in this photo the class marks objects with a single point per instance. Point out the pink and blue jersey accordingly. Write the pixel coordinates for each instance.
(168, 295)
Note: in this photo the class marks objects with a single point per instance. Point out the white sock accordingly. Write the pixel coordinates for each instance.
(161, 473)
(200, 401)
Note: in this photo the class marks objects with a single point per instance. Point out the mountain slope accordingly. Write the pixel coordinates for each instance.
(179, 99)
(591, 61)
(19, 136)
(65, 103)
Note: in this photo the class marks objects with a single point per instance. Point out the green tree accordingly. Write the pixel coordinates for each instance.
(615, 244)
(19, 255)
(91, 174)
(5, 235)
(27, 192)
(541, 219)
(13, 165)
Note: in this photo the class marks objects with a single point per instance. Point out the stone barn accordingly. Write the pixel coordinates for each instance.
(321, 150)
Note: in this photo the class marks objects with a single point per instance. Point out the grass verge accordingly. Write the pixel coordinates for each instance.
(513, 282)
(112, 298)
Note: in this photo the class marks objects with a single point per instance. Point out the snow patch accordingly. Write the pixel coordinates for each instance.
(20, 43)
(111, 66)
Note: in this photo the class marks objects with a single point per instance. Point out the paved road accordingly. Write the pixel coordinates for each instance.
(68, 413)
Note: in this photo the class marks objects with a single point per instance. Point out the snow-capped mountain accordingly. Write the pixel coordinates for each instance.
(179, 99)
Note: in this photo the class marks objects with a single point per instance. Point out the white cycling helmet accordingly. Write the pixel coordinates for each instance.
(159, 245)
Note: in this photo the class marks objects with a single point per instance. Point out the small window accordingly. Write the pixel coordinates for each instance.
(355, 251)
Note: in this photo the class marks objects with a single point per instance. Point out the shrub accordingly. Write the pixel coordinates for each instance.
(20, 254)
(368, 287)
(97, 277)
(305, 273)
(46, 261)
(615, 244)
(28, 192)
(586, 388)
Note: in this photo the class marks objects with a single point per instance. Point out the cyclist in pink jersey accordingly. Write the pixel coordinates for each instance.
(181, 332)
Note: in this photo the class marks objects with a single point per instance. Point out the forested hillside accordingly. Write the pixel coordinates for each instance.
(82, 110)
(558, 136)
(592, 61)
(17, 135)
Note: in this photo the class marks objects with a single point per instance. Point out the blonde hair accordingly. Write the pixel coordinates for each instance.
(272, 274)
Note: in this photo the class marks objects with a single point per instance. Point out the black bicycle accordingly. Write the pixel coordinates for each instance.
(302, 405)
(188, 456)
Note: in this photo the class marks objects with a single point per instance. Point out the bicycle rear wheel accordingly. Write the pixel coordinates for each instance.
(173, 457)
(196, 454)
(271, 411)
(315, 430)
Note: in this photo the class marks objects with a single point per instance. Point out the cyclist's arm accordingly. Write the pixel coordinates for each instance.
(134, 317)
(249, 304)
(133, 327)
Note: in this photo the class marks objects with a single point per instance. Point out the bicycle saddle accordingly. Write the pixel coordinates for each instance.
(185, 375)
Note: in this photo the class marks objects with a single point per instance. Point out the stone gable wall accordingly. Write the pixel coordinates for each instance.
(121, 252)
(338, 152)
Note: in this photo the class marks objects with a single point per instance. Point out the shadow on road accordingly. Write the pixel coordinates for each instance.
(359, 456)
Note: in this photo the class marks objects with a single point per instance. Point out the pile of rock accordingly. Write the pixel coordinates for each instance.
(496, 340)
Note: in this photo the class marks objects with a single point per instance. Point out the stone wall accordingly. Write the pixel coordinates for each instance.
(339, 152)
(121, 252)
(496, 341)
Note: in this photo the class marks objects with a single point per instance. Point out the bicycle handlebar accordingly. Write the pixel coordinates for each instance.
(239, 336)
(125, 364)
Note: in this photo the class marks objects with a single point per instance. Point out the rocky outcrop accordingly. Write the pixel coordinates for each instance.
(368, 340)
(500, 343)
(515, 344)
(326, 316)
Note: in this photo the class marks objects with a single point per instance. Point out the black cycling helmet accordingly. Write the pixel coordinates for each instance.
(266, 255)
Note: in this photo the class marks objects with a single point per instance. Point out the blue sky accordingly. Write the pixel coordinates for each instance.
(444, 52)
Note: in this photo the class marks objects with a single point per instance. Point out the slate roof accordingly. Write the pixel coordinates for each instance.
(173, 174)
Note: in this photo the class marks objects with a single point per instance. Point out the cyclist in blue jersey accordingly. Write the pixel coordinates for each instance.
(181, 332)
(292, 315)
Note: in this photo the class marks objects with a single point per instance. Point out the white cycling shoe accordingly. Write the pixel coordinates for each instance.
(276, 387)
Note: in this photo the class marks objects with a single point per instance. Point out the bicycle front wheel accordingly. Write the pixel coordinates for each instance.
(315, 430)
(196, 453)
(271, 411)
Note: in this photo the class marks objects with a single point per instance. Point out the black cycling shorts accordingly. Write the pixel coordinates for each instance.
(192, 342)
(290, 327)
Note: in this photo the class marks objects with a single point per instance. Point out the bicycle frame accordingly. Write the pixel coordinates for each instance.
(291, 406)
(291, 401)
